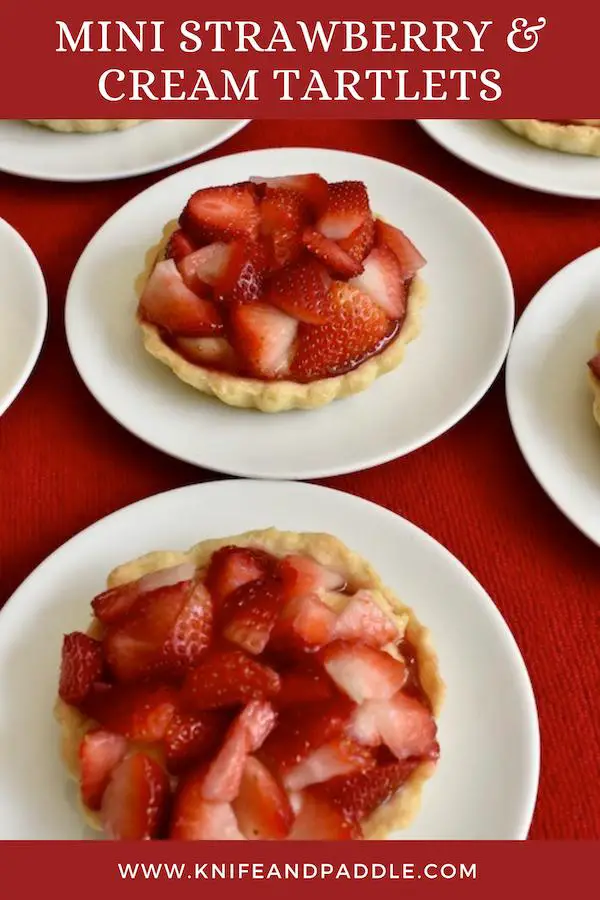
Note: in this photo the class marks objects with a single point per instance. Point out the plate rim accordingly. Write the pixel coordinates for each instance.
(469, 403)
(493, 172)
(41, 302)
(522, 679)
(508, 389)
(135, 172)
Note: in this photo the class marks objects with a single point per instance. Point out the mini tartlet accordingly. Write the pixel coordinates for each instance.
(578, 136)
(85, 126)
(281, 293)
(261, 686)
(594, 376)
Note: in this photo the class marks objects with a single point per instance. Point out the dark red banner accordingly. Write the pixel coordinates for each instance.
(514, 58)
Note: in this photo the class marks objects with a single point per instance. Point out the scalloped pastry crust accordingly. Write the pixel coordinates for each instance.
(279, 396)
(85, 126)
(398, 812)
(595, 385)
(583, 139)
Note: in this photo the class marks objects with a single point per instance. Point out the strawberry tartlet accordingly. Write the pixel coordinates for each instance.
(594, 376)
(263, 686)
(579, 136)
(281, 293)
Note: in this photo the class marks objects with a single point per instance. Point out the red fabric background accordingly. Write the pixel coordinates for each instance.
(65, 463)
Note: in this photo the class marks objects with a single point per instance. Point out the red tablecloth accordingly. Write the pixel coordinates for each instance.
(65, 463)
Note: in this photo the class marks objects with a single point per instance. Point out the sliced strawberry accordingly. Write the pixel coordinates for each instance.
(232, 567)
(301, 730)
(319, 819)
(381, 280)
(305, 624)
(135, 800)
(594, 365)
(359, 244)
(359, 794)
(306, 683)
(99, 753)
(363, 672)
(115, 604)
(137, 712)
(405, 251)
(338, 261)
(169, 303)
(179, 246)
(222, 213)
(196, 819)
(264, 338)
(228, 678)
(284, 215)
(203, 268)
(251, 612)
(357, 329)
(82, 664)
(302, 291)
(210, 352)
(242, 278)
(362, 619)
(192, 632)
(262, 807)
(302, 575)
(191, 738)
(340, 756)
(347, 209)
(403, 724)
(312, 187)
(245, 736)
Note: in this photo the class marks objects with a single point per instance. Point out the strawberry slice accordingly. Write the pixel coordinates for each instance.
(227, 679)
(363, 620)
(301, 730)
(196, 819)
(302, 291)
(363, 672)
(357, 329)
(99, 753)
(262, 807)
(381, 280)
(319, 819)
(306, 683)
(82, 664)
(232, 567)
(246, 735)
(302, 575)
(204, 267)
(305, 624)
(405, 251)
(243, 278)
(338, 261)
(212, 353)
(347, 209)
(115, 604)
(359, 244)
(403, 724)
(594, 365)
(283, 217)
(223, 213)
(170, 304)
(357, 795)
(137, 712)
(179, 246)
(135, 800)
(192, 632)
(338, 757)
(313, 188)
(264, 338)
(251, 612)
(191, 738)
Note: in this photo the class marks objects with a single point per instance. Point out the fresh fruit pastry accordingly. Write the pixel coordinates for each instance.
(85, 126)
(281, 293)
(594, 375)
(263, 686)
(580, 136)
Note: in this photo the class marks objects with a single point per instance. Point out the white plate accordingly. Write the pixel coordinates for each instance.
(40, 153)
(486, 783)
(444, 374)
(23, 313)
(494, 149)
(548, 393)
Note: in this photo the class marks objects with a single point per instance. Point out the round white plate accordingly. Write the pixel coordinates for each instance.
(40, 153)
(494, 149)
(486, 783)
(446, 370)
(548, 393)
(23, 313)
